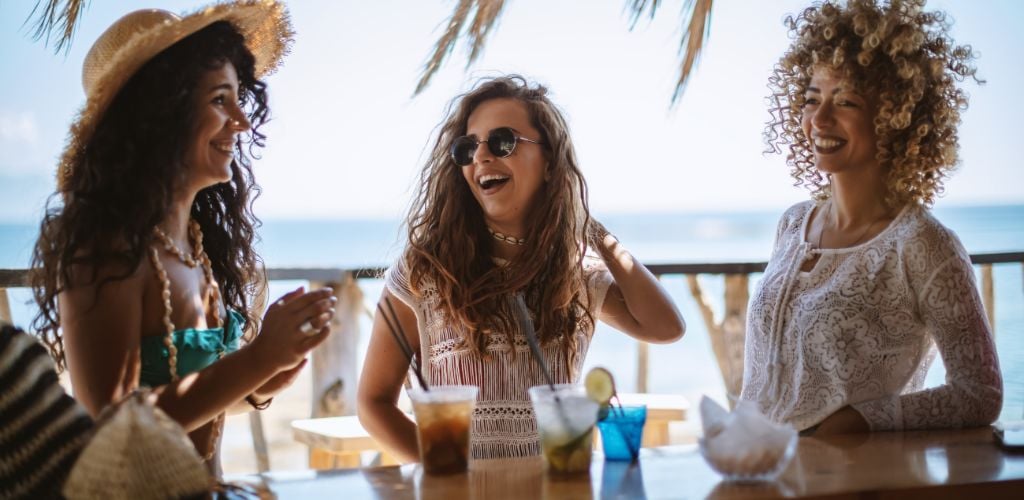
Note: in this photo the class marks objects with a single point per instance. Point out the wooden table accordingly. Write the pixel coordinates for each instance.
(946, 464)
(338, 441)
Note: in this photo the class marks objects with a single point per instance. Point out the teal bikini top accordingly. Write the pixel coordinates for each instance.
(197, 349)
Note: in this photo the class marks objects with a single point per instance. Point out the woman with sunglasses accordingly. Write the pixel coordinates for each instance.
(145, 272)
(502, 212)
(864, 283)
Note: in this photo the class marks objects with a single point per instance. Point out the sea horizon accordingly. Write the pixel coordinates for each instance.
(687, 367)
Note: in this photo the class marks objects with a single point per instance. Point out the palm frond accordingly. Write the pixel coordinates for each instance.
(637, 8)
(697, 19)
(55, 17)
(487, 13)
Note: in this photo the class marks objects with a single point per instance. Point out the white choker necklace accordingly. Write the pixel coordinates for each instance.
(511, 240)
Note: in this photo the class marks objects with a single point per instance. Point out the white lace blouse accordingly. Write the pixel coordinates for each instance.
(503, 421)
(861, 329)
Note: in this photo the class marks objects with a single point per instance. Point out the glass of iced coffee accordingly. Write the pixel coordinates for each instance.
(444, 416)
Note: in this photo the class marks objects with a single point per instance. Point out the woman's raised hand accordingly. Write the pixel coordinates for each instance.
(596, 234)
(294, 325)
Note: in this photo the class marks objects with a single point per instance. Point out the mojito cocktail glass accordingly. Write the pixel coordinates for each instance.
(566, 426)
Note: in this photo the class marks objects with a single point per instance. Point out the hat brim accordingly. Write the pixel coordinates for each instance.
(268, 33)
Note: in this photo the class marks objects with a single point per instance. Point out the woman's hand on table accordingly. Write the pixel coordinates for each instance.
(844, 421)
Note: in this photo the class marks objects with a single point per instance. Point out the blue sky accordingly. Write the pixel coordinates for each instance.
(348, 138)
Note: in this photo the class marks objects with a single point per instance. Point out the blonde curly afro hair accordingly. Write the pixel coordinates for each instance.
(901, 55)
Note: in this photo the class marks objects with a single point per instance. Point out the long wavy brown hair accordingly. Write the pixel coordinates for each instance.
(450, 248)
(123, 186)
(894, 51)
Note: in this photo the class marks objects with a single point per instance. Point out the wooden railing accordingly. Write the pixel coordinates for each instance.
(725, 331)
(335, 361)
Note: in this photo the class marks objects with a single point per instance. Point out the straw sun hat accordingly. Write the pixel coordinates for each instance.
(139, 36)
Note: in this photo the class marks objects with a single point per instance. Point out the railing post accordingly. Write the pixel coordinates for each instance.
(335, 361)
(988, 295)
(5, 307)
(259, 441)
(259, 436)
(642, 357)
(728, 334)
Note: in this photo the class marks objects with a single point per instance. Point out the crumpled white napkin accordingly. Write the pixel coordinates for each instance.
(744, 442)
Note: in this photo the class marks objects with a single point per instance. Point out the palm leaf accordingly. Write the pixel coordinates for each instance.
(697, 21)
(487, 13)
(638, 6)
(55, 17)
(697, 18)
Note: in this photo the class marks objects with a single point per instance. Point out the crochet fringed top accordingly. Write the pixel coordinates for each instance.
(503, 421)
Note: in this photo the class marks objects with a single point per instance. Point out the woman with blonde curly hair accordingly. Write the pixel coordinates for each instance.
(501, 212)
(864, 285)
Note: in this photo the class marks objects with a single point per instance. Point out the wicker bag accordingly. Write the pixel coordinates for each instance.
(138, 451)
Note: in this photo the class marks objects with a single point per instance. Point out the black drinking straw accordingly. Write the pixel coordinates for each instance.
(399, 334)
(531, 338)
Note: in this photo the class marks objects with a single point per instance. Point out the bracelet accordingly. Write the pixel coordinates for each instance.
(258, 406)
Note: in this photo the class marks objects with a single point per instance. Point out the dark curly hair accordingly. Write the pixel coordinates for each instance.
(450, 248)
(894, 51)
(124, 184)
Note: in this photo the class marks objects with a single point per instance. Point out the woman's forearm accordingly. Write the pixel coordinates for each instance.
(197, 398)
(392, 428)
(655, 315)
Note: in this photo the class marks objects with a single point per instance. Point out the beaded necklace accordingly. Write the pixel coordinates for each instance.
(211, 295)
(511, 240)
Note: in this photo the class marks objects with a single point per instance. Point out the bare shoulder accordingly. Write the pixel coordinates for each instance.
(103, 297)
(101, 316)
(106, 278)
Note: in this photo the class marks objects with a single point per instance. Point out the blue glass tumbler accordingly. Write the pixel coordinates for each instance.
(622, 431)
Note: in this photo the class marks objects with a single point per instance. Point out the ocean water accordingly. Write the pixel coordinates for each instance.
(687, 367)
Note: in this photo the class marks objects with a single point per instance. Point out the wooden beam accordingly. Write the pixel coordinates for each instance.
(18, 278)
(727, 334)
(259, 441)
(643, 355)
(5, 307)
(336, 361)
(988, 295)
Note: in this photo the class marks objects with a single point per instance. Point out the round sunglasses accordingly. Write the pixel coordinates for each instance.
(501, 142)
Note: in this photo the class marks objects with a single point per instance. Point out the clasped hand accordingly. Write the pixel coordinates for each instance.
(283, 341)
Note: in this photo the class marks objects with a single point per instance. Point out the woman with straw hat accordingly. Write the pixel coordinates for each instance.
(501, 214)
(144, 271)
(864, 285)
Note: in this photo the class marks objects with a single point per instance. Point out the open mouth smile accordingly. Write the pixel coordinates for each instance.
(828, 145)
(226, 147)
(491, 183)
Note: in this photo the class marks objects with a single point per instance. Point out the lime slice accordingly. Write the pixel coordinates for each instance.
(600, 385)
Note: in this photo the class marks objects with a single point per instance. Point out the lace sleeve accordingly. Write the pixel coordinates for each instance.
(951, 310)
(599, 278)
(396, 279)
(779, 229)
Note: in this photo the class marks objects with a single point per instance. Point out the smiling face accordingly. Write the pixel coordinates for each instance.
(507, 189)
(218, 121)
(839, 123)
